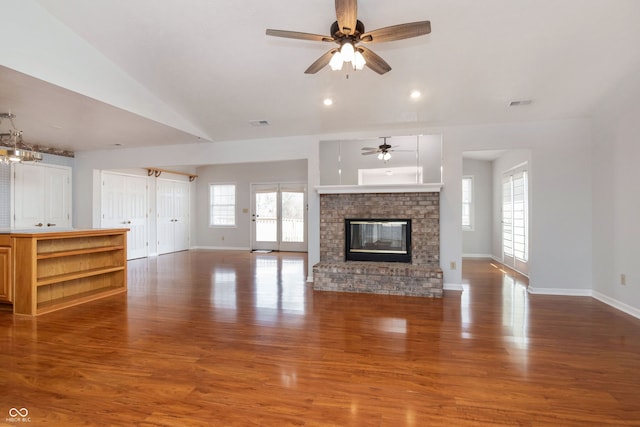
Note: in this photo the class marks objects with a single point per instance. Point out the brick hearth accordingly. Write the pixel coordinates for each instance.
(423, 277)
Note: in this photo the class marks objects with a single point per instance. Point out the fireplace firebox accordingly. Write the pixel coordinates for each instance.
(381, 240)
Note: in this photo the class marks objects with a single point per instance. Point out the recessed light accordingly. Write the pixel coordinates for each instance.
(415, 94)
(328, 102)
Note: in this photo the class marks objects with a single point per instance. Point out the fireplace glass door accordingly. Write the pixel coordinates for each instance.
(382, 240)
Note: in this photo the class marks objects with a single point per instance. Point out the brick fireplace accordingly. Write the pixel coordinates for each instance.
(421, 277)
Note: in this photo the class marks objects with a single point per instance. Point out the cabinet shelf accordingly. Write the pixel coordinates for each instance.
(55, 270)
(58, 254)
(70, 301)
(59, 278)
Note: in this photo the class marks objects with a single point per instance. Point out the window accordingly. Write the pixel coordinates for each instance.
(222, 199)
(467, 203)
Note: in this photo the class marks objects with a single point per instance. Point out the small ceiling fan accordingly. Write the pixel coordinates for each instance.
(383, 150)
(348, 32)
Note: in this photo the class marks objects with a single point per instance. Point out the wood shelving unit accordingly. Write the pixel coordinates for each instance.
(55, 270)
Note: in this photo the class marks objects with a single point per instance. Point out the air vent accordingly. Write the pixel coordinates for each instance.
(258, 122)
(520, 103)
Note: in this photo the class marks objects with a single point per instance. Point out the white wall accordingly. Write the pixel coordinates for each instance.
(560, 250)
(560, 150)
(242, 175)
(477, 242)
(616, 228)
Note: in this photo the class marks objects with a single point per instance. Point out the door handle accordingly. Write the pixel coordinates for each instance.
(50, 224)
(39, 224)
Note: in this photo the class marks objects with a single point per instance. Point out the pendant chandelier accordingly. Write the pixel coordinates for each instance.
(12, 148)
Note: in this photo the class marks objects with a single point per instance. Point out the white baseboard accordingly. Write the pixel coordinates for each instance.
(560, 292)
(310, 279)
(477, 256)
(632, 311)
(452, 287)
(222, 248)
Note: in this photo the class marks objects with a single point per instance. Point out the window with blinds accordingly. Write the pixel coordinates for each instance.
(222, 199)
(467, 203)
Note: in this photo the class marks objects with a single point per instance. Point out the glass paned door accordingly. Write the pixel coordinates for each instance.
(279, 217)
(265, 218)
(515, 219)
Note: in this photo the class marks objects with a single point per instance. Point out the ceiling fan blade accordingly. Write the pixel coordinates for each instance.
(369, 148)
(321, 62)
(375, 62)
(397, 32)
(369, 152)
(347, 14)
(299, 35)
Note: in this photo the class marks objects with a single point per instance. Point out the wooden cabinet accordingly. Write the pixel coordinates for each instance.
(6, 277)
(60, 269)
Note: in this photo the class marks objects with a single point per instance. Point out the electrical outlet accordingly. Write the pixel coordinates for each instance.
(623, 279)
(452, 265)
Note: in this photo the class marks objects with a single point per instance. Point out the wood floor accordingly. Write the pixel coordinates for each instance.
(237, 339)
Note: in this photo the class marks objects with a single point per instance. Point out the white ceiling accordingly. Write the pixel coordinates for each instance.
(211, 65)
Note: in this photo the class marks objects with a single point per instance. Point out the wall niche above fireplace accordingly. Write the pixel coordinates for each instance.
(414, 160)
(378, 240)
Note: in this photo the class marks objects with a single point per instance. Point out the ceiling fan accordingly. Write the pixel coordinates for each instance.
(348, 32)
(383, 150)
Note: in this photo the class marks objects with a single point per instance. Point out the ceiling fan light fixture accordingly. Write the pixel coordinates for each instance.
(386, 156)
(347, 51)
(336, 61)
(358, 61)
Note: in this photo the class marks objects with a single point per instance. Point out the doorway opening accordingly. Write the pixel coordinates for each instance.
(495, 206)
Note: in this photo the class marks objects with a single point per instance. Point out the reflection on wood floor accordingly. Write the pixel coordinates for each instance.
(233, 338)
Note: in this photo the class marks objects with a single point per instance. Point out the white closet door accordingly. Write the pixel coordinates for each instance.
(136, 206)
(28, 190)
(165, 223)
(181, 215)
(57, 197)
(125, 205)
(42, 196)
(113, 215)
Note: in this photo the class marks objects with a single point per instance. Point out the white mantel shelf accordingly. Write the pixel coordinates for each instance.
(390, 188)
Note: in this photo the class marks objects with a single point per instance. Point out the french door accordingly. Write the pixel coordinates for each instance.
(515, 219)
(279, 217)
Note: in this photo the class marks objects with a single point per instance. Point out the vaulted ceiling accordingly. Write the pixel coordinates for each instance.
(84, 75)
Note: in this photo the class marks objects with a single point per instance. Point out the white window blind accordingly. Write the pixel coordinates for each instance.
(515, 221)
(467, 203)
(222, 198)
